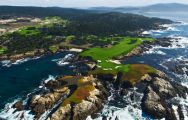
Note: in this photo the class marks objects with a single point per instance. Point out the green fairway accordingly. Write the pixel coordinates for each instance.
(123, 47)
(104, 56)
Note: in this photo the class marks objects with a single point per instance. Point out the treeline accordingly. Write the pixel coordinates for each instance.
(113, 23)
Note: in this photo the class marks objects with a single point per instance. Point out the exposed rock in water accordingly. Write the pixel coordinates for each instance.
(163, 88)
(41, 103)
(164, 42)
(160, 89)
(152, 104)
(18, 105)
(63, 113)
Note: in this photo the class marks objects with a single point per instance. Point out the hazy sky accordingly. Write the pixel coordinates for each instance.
(86, 3)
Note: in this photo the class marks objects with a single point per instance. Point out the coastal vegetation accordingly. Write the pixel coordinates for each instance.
(2, 50)
(88, 30)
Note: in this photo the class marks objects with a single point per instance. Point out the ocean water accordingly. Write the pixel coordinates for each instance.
(175, 16)
(18, 80)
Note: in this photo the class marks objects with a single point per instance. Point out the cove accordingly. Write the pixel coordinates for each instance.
(21, 79)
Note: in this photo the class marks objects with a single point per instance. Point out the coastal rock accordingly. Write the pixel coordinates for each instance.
(152, 104)
(160, 90)
(106, 77)
(63, 113)
(136, 51)
(82, 110)
(171, 114)
(163, 88)
(161, 74)
(180, 90)
(29, 54)
(52, 84)
(41, 103)
(18, 105)
(164, 42)
(146, 77)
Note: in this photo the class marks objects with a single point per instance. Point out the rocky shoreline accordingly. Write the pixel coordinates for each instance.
(163, 42)
(40, 52)
(76, 97)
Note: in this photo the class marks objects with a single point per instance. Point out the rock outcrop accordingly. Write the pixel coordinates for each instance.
(80, 111)
(66, 98)
(18, 105)
(159, 91)
(152, 104)
(41, 103)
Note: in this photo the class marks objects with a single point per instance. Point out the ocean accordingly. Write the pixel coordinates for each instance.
(19, 79)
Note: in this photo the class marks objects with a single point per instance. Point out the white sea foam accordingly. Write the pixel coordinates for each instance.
(175, 108)
(64, 61)
(172, 29)
(10, 113)
(130, 112)
(120, 114)
(155, 50)
(8, 63)
(50, 77)
(146, 32)
(184, 105)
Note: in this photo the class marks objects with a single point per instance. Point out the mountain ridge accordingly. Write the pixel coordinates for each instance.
(160, 7)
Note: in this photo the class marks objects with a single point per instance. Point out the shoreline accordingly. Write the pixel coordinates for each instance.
(107, 77)
(21, 58)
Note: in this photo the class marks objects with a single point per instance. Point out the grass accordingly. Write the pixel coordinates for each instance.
(2, 50)
(54, 48)
(79, 94)
(84, 87)
(123, 47)
(135, 72)
(28, 31)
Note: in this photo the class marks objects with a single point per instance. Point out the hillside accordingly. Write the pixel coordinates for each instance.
(168, 7)
(41, 11)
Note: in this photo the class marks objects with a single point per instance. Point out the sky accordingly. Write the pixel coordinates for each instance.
(86, 3)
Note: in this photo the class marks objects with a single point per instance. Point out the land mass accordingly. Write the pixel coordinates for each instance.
(106, 39)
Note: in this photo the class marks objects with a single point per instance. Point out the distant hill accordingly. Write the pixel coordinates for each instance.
(169, 7)
(41, 11)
